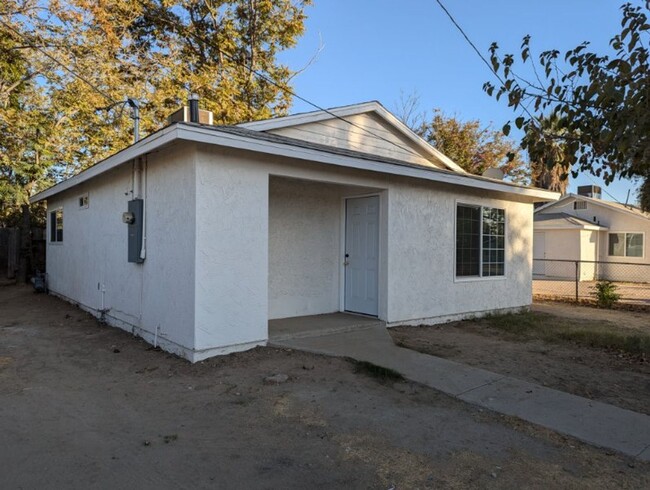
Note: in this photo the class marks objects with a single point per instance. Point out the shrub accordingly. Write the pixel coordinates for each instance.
(605, 293)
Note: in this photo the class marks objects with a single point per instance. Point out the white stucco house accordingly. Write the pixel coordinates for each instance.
(197, 236)
(584, 227)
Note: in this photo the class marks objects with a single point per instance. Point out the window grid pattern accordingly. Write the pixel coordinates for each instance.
(494, 231)
(480, 241)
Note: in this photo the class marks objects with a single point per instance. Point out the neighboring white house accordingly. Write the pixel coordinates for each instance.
(583, 227)
(196, 236)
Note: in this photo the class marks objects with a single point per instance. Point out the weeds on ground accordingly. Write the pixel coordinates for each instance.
(549, 328)
(375, 371)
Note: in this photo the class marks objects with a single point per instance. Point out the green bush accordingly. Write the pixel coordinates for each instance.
(605, 293)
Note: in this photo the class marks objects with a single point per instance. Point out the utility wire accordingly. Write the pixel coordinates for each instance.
(494, 72)
(604, 190)
(288, 91)
(69, 70)
(478, 52)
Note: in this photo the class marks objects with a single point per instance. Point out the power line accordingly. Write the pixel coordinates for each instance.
(69, 70)
(494, 72)
(287, 90)
(604, 190)
(480, 55)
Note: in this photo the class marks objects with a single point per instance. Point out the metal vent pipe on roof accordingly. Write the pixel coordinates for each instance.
(194, 108)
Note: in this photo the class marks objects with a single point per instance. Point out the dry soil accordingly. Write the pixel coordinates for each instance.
(607, 376)
(83, 405)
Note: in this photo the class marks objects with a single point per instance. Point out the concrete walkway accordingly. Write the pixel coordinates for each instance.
(590, 421)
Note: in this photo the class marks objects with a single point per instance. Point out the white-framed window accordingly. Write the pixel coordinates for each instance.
(56, 226)
(480, 241)
(626, 244)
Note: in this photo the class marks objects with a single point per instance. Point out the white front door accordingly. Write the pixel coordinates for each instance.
(362, 255)
(539, 252)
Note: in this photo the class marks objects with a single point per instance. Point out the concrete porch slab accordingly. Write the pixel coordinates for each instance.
(316, 325)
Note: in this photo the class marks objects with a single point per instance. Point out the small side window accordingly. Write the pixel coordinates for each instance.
(83, 201)
(56, 226)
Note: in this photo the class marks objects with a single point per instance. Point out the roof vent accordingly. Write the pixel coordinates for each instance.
(192, 113)
(592, 191)
(579, 204)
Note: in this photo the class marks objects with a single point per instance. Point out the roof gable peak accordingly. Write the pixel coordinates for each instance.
(343, 112)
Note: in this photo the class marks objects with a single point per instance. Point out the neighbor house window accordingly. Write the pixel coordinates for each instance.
(56, 226)
(480, 241)
(626, 244)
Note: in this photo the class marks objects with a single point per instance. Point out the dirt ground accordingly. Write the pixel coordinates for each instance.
(88, 406)
(634, 320)
(632, 293)
(607, 376)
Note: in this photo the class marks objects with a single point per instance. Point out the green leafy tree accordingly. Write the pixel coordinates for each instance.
(64, 60)
(475, 147)
(599, 104)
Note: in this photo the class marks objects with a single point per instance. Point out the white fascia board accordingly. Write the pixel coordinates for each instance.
(309, 117)
(352, 110)
(570, 227)
(147, 145)
(210, 136)
(214, 137)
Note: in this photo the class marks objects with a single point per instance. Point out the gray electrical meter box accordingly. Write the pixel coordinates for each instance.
(133, 219)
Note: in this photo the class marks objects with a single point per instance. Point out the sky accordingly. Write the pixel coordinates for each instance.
(379, 49)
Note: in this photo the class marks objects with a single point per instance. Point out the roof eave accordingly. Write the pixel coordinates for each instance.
(198, 134)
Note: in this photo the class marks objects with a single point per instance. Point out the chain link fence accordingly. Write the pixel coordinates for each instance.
(576, 279)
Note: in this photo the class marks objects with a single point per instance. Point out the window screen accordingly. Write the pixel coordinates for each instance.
(494, 230)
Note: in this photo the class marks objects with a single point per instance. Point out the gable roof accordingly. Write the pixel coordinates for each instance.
(555, 221)
(255, 141)
(340, 113)
(633, 210)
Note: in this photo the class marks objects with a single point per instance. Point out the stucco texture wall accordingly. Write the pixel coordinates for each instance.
(304, 243)
(305, 233)
(157, 294)
(417, 244)
(421, 262)
(617, 222)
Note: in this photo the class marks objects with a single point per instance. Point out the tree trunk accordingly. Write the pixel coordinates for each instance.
(25, 262)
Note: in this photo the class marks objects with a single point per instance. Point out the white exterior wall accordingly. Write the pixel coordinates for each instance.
(559, 245)
(304, 238)
(421, 264)
(205, 283)
(231, 254)
(588, 252)
(417, 243)
(140, 298)
(617, 222)
(305, 233)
